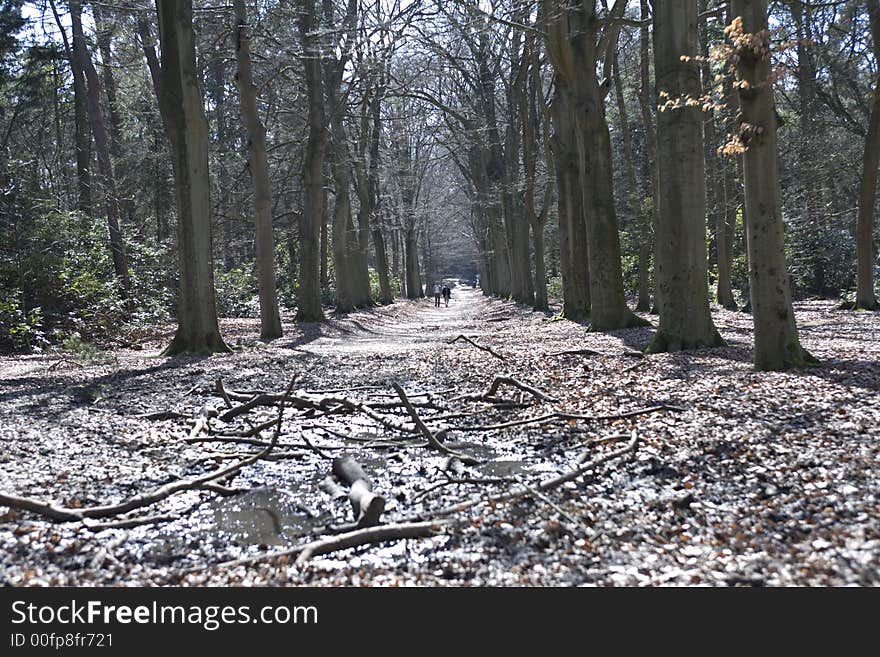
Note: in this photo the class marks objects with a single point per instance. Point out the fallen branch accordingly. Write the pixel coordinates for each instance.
(162, 415)
(543, 486)
(66, 514)
(458, 482)
(622, 416)
(513, 423)
(629, 369)
(369, 535)
(366, 505)
(498, 381)
(478, 346)
(575, 352)
(553, 505)
(223, 393)
(560, 415)
(433, 443)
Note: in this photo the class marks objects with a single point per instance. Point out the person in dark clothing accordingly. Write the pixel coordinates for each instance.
(446, 294)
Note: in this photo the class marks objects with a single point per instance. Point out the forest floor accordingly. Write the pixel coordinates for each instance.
(725, 476)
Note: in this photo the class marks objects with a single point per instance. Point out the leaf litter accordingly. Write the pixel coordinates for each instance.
(737, 477)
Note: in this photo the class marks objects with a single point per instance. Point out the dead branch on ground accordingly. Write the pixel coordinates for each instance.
(433, 443)
(67, 514)
(498, 381)
(477, 345)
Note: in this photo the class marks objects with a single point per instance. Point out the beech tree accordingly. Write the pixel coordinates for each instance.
(777, 345)
(309, 301)
(270, 321)
(183, 112)
(865, 251)
(575, 46)
(680, 241)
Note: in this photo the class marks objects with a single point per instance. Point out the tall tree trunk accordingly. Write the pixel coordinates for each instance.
(309, 298)
(715, 177)
(82, 137)
(681, 268)
(368, 185)
(105, 165)
(574, 48)
(865, 297)
(632, 197)
(648, 221)
(527, 93)
(573, 252)
(104, 33)
(183, 112)
(395, 258)
(516, 215)
(325, 242)
(411, 254)
(349, 261)
(270, 321)
(776, 336)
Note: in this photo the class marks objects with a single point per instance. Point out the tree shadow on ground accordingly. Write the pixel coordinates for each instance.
(56, 396)
(847, 372)
(306, 332)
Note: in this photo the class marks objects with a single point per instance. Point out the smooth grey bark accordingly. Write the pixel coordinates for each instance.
(777, 346)
(368, 180)
(349, 260)
(717, 209)
(681, 270)
(865, 252)
(258, 165)
(309, 298)
(632, 196)
(517, 220)
(527, 91)
(575, 46)
(573, 252)
(648, 221)
(183, 113)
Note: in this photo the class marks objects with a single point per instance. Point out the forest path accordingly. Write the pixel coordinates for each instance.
(412, 327)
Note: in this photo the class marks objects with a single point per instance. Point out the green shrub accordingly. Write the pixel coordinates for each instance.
(20, 330)
(237, 292)
(375, 289)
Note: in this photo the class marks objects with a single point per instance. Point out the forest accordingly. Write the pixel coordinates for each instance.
(225, 357)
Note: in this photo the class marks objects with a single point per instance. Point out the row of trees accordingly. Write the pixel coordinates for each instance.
(320, 146)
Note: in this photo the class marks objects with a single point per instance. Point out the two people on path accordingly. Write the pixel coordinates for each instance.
(444, 291)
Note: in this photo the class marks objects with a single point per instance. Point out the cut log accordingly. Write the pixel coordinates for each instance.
(332, 488)
(365, 504)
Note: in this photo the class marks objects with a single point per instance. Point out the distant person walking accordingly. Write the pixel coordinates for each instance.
(437, 292)
(446, 294)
